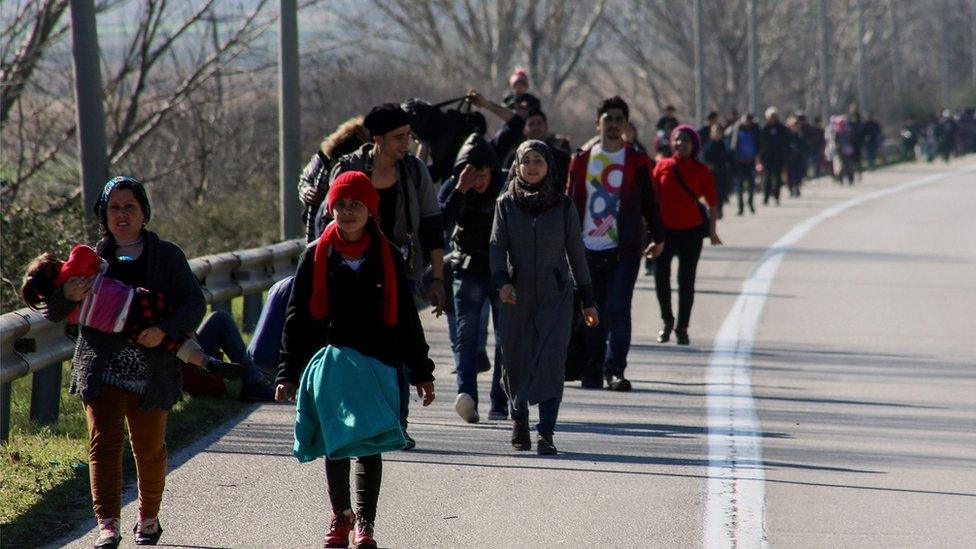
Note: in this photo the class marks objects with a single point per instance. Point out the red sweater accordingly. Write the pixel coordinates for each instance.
(678, 211)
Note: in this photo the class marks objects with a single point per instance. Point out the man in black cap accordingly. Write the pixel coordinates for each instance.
(410, 215)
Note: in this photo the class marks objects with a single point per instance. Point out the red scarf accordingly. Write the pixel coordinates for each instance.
(332, 238)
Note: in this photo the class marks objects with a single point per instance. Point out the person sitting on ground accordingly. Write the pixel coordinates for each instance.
(265, 343)
(218, 333)
(112, 306)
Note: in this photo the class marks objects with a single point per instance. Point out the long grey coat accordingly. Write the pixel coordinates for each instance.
(536, 256)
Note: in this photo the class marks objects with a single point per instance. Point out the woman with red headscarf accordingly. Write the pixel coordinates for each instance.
(350, 291)
(681, 182)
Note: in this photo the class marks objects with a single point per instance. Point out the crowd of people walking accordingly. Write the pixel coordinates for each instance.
(407, 205)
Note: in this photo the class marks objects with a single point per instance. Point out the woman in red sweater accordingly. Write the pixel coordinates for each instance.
(680, 182)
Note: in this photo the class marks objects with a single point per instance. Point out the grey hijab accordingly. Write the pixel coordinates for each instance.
(542, 196)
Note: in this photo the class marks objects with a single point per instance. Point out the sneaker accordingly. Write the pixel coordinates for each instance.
(363, 538)
(617, 383)
(108, 534)
(466, 407)
(521, 440)
(545, 447)
(411, 443)
(258, 391)
(339, 528)
(147, 531)
(225, 370)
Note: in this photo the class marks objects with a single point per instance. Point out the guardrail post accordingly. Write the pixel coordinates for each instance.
(46, 395)
(252, 310)
(4, 412)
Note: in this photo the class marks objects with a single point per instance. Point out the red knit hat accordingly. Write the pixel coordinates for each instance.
(354, 186)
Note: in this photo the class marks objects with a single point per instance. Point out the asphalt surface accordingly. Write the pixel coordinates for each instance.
(862, 374)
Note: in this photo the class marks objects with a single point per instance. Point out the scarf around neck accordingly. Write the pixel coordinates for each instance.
(539, 197)
(332, 239)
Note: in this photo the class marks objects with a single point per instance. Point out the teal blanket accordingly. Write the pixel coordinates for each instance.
(348, 406)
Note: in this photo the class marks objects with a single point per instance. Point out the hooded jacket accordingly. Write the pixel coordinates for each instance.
(469, 215)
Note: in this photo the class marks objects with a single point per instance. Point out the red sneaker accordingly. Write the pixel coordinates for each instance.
(363, 539)
(338, 535)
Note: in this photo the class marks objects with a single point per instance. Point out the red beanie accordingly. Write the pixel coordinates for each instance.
(354, 186)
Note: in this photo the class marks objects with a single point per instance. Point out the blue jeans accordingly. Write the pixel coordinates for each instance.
(613, 284)
(548, 412)
(472, 291)
(218, 332)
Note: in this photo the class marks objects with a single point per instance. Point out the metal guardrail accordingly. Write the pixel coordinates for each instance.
(30, 344)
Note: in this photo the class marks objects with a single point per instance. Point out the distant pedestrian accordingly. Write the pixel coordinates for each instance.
(744, 146)
(351, 301)
(681, 182)
(774, 151)
(668, 121)
(796, 164)
(873, 140)
(537, 257)
(716, 156)
(840, 149)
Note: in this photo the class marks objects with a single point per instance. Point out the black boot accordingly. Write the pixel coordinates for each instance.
(682, 335)
(592, 376)
(520, 436)
(545, 447)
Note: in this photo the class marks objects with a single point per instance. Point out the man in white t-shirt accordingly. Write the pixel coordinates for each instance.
(610, 183)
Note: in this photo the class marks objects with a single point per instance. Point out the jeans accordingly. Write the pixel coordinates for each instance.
(548, 412)
(608, 343)
(745, 181)
(687, 246)
(369, 475)
(218, 332)
(472, 291)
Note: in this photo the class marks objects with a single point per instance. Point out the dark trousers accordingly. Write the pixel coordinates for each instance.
(772, 182)
(548, 412)
(608, 343)
(687, 246)
(745, 183)
(472, 290)
(369, 475)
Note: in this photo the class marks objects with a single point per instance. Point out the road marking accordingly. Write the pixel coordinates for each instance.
(735, 512)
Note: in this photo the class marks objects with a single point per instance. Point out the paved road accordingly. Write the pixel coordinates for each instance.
(841, 414)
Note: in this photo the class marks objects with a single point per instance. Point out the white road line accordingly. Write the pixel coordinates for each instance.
(735, 511)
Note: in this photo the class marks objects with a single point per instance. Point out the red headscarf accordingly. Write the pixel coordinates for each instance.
(353, 186)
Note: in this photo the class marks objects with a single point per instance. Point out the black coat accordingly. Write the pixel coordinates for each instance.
(355, 318)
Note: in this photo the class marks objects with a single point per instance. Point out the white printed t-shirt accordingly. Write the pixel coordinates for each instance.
(604, 179)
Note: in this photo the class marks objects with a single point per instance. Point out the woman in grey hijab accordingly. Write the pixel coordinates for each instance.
(536, 242)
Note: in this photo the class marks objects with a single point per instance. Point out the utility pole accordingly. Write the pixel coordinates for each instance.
(699, 65)
(289, 133)
(753, 61)
(896, 79)
(944, 20)
(824, 77)
(862, 100)
(90, 112)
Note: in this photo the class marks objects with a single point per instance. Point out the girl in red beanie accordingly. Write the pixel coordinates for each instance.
(350, 290)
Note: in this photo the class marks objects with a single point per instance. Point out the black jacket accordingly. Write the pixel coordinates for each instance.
(355, 318)
(774, 145)
(469, 215)
(167, 272)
